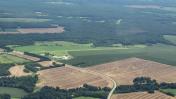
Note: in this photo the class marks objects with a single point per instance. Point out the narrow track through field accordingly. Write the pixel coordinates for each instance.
(106, 77)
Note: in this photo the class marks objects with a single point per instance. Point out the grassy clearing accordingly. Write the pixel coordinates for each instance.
(160, 53)
(170, 38)
(172, 91)
(6, 59)
(87, 54)
(14, 92)
(85, 98)
(23, 20)
(61, 48)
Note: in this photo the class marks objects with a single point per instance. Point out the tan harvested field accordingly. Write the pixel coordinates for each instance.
(46, 63)
(36, 30)
(17, 71)
(41, 30)
(142, 95)
(124, 71)
(68, 77)
(22, 55)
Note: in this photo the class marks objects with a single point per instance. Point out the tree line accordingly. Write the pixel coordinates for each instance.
(57, 93)
(26, 83)
(4, 69)
(102, 40)
(141, 84)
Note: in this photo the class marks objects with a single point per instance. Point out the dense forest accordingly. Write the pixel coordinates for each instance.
(101, 23)
(4, 71)
(27, 39)
(27, 82)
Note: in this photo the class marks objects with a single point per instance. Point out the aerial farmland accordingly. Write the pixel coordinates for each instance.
(87, 49)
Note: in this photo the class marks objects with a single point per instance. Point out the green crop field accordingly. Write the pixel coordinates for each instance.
(13, 92)
(170, 38)
(160, 53)
(87, 55)
(61, 48)
(172, 91)
(85, 98)
(6, 58)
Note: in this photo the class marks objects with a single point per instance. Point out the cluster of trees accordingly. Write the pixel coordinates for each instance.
(54, 65)
(4, 71)
(5, 96)
(57, 93)
(32, 66)
(168, 85)
(145, 84)
(27, 82)
(139, 84)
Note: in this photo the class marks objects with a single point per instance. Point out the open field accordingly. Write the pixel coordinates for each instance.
(26, 20)
(46, 63)
(142, 95)
(18, 71)
(34, 30)
(22, 55)
(60, 48)
(6, 58)
(156, 7)
(144, 6)
(87, 55)
(124, 71)
(1, 50)
(41, 30)
(172, 91)
(67, 77)
(158, 52)
(170, 38)
(14, 92)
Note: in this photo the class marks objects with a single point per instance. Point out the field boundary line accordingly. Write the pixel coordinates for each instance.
(103, 76)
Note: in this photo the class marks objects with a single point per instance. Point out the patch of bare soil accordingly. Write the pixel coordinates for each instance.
(18, 71)
(41, 30)
(66, 77)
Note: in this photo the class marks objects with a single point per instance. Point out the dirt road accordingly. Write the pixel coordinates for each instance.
(112, 83)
